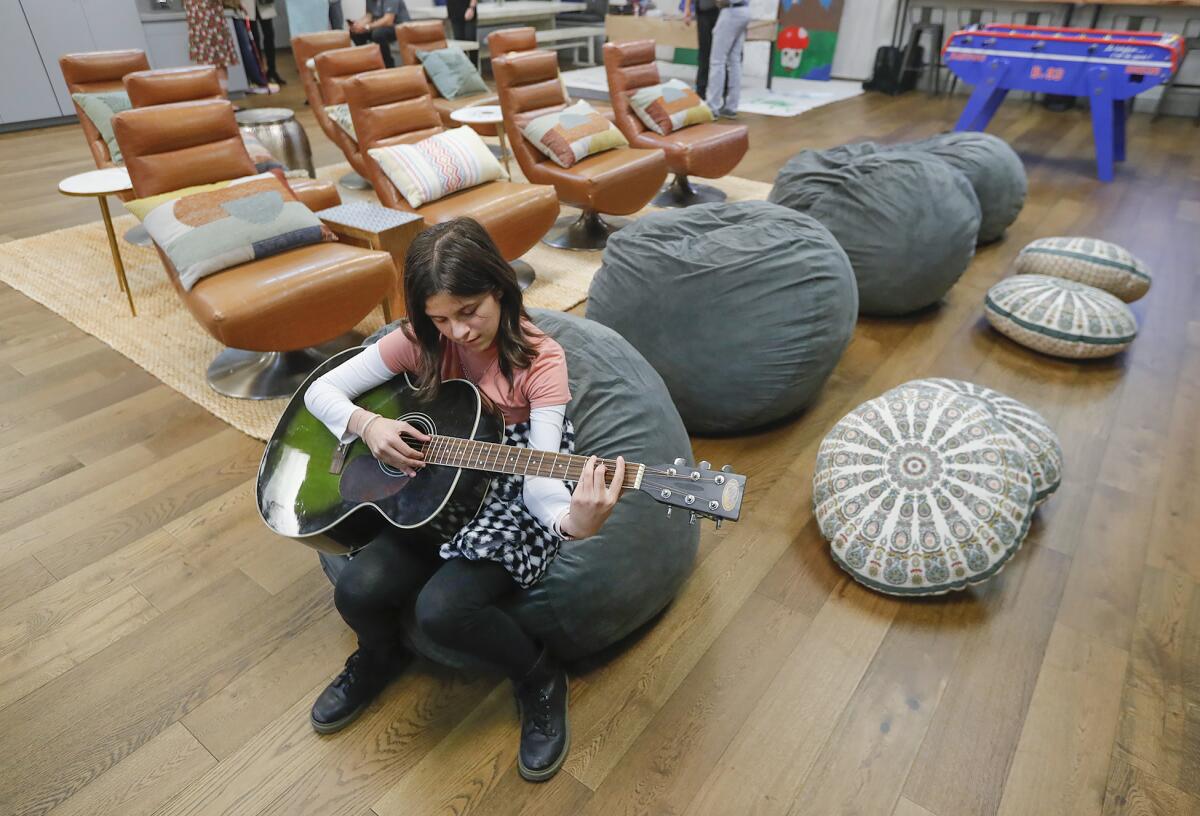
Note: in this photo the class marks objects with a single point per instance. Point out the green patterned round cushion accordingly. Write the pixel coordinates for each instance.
(1060, 317)
(1087, 260)
(922, 491)
(1028, 426)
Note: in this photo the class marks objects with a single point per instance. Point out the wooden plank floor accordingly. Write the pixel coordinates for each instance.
(159, 649)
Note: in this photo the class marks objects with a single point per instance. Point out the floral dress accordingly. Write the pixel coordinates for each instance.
(209, 42)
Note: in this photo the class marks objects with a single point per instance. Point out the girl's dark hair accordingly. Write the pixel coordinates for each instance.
(459, 258)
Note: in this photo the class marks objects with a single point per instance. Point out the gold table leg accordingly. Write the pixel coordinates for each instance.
(503, 148)
(116, 253)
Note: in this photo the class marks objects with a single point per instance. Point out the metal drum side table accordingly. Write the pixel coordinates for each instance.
(279, 131)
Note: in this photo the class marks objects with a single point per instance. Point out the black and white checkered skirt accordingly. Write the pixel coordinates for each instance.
(504, 530)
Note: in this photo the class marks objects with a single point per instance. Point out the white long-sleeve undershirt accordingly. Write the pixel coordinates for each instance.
(329, 400)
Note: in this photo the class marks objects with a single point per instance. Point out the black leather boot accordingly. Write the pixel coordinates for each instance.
(545, 732)
(364, 677)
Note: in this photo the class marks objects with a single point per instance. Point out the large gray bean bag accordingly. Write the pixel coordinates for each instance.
(744, 308)
(994, 170)
(600, 589)
(907, 220)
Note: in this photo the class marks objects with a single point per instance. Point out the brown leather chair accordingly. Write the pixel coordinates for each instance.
(708, 150)
(335, 68)
(309, 46)
(392, 107)
(99, 72)
(617, 182)
(271, 313)
(430, 35)
(506, 40)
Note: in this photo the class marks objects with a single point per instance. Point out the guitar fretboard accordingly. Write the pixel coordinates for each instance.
(496, 458)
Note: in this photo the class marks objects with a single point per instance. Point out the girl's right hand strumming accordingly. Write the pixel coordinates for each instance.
(386, 440)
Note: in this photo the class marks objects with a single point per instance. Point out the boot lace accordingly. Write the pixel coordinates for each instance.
(541, 715)
(348, 675)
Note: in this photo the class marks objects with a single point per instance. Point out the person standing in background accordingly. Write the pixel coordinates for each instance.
(705, 13)
(464, 22)
(209, 42)
(725, 63)
(264, 36)
(337, 20)
(378, 25)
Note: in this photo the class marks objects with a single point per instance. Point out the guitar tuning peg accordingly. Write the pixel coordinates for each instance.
(691, 518)
(727, 468)
(669, 509)
(704, 465)
(718, 523)
(679, 460)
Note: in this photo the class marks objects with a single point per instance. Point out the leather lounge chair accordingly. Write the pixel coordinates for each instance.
(280, 316)
(707, 150)
(615, 182)
(430, 35)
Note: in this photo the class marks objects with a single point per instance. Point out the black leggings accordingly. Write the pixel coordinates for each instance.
(455, 602)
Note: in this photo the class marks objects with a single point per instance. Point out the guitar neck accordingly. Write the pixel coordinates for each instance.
(496, 458)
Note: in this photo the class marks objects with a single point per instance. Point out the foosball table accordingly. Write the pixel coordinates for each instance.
(1108, 67)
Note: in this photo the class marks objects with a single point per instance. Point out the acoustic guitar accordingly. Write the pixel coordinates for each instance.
(308, 482)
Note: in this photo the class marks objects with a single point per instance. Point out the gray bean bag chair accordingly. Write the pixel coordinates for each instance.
(600, 589)
(743, 308)
(907, 220)
(994, 170)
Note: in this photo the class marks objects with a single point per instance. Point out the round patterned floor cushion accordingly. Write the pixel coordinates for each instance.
(994, 170)
(907, 220)
(922, 491)
(600, 589)
(1060, 317)
(1028, 426)
(743, 308)
(1087, 260)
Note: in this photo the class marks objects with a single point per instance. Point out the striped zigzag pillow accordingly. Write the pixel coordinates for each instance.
(438, 166)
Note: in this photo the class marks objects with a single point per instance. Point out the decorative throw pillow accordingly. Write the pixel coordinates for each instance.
(922, 491)
(1027, 425)
(101, 108)
(1087, 260)
(438, 166)
(212, 227)
(262, 158)
(1060, 317)
(452, 73)
(573, 134)
(669, 107)
(340, 114)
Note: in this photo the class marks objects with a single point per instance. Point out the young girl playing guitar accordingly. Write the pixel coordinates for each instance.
(466, 320)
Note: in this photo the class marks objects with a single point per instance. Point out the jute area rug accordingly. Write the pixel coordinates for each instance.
(70, 271)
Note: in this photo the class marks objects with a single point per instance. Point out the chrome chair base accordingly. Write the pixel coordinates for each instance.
(260, 375)
(682, 193)
(353, 181)
(588, 231)
(137, 236)
(525, 274)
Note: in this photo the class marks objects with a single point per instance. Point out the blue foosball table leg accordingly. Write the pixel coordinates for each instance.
(1120, 108)
(1103, 124)
(985, 100)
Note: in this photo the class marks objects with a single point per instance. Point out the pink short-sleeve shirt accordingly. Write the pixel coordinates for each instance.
(544, 383)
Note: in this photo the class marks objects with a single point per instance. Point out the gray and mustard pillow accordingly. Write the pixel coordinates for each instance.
(452, 73)
(100, 108)
(340, 114)
(212, 227)
(573, 133)
(669, 107)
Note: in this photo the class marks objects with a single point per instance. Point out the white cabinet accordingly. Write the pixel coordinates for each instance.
(25, 89)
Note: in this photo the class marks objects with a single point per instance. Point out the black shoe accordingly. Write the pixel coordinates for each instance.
(276, 78)
(366, 674)
(545, 732)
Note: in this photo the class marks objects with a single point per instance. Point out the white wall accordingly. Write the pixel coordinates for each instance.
(866, 25)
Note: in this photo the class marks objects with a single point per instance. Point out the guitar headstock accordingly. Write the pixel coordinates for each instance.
(714, 494)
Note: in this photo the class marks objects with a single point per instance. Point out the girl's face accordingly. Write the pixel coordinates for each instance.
(472, 322)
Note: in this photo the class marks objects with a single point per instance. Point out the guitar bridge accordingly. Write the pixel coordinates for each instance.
(338, 460)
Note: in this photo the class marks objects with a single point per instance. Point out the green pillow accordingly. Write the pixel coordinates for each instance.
(101, 108)
(452, 72)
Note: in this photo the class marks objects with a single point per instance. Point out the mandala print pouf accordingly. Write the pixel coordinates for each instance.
(1087, 260)
(1028, 426)
(1060, 317)
(922, 491)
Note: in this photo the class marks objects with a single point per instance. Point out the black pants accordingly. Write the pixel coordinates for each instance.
(455, 602)
(264, 38)
(384, 36)
(463, 28)
(706, 20)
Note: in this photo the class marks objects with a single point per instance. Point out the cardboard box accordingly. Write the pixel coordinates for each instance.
(671, 32)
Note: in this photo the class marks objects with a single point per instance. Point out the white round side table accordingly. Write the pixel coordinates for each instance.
(485, 115)
(99, 184)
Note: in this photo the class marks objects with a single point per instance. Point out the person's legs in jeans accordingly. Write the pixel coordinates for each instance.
(706, 19)
(723, 35)
(733, 71)
(264, 36)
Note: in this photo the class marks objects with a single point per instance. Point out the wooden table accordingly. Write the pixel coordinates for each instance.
(99, 184)
(379, 228)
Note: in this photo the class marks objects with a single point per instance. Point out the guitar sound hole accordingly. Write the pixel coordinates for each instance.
(424, 424)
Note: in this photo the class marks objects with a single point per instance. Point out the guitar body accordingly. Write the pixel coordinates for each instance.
(299, 496)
